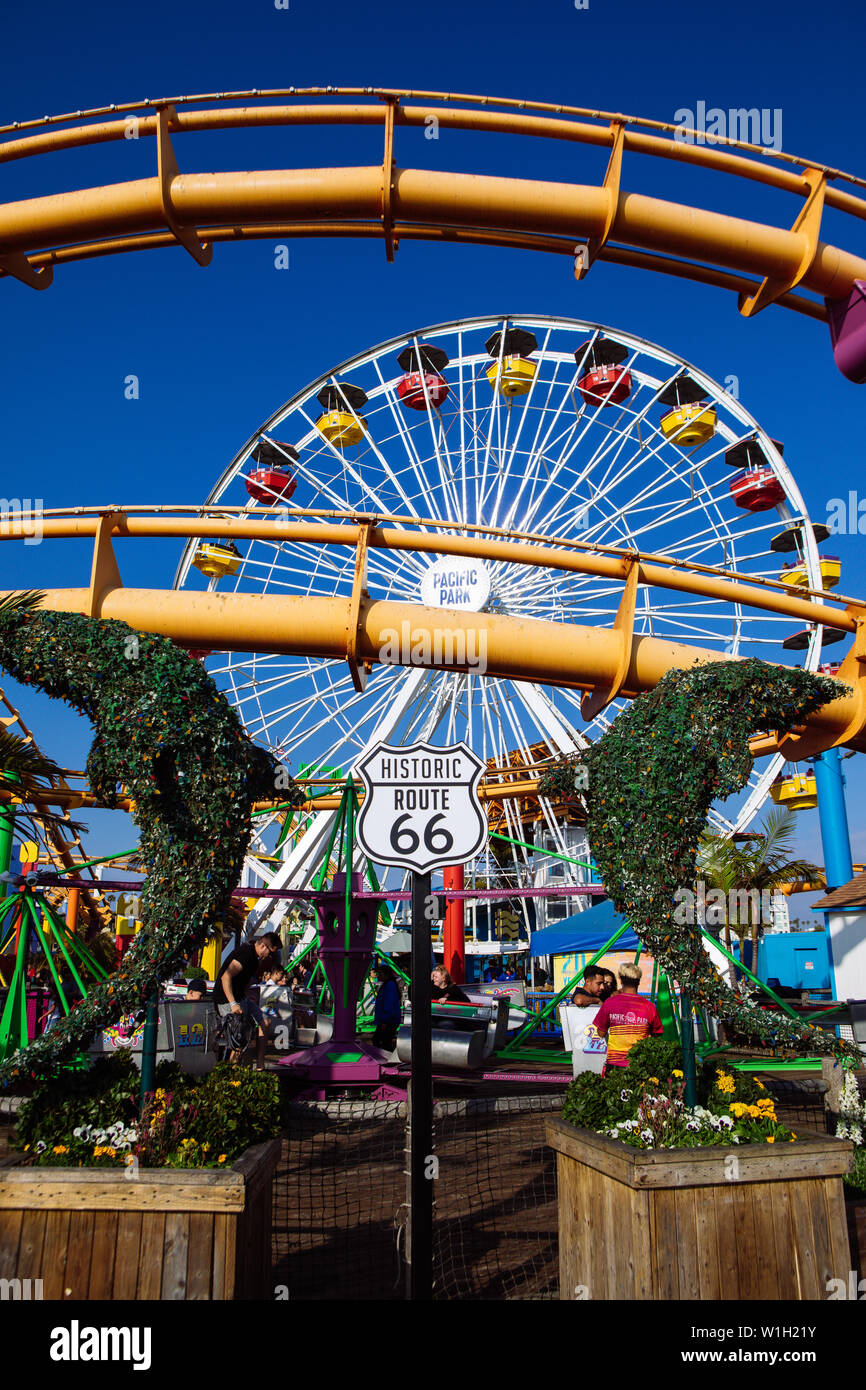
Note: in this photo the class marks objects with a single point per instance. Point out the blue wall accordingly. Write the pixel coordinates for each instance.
(800, 960)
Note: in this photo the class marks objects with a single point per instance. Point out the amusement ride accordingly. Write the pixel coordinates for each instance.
(499, 529)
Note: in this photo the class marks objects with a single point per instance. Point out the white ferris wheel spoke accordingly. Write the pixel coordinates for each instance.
(544, 464)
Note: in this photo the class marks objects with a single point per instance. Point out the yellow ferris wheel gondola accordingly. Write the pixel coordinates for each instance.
(216, 559)
(511, 371)
(798, 791)
(691, 421)
(796, 575)
(341, 424)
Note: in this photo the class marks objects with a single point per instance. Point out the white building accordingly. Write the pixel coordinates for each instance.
(845, 911)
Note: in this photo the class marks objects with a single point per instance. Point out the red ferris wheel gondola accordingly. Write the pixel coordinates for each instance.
(603, 381)
(271, 482)
(422, 384)
(756, 488)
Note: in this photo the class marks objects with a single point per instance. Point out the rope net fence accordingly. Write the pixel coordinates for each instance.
(340, 1201)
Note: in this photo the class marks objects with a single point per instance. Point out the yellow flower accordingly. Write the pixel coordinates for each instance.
(653, 1078)
(771, 1138)
(793, 1137)
(760, 1085)
(221, 1159)
(234, 1083)
(676, 1073)
(205, 1147)
(58, 1149)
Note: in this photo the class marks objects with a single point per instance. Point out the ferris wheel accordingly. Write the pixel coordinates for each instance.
(534, 427)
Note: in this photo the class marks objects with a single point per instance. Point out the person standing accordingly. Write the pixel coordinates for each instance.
(235, 976)
(626, 1019)
(388, 1010)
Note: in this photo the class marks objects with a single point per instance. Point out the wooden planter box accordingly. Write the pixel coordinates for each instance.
(687, 1224)
(855, 1210)
(170, 1233)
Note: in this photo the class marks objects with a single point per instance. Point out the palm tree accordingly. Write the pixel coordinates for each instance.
(716, 868)
(761, 863)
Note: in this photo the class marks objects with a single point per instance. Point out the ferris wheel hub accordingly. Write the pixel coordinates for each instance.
(456, 583)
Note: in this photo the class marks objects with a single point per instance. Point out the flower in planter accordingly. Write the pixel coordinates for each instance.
(852, 1112)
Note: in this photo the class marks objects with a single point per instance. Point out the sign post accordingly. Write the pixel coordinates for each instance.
(419, 1244)
(421, 812)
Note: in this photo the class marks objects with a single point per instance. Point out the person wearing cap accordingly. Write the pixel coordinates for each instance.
(234, 977)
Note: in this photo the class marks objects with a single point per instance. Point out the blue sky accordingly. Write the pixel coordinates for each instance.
(217, 349)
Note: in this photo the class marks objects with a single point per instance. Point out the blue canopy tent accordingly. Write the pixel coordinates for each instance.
(586, 931)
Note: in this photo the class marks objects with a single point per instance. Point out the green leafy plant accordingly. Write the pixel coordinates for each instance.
(650, 782)
(657, 1057)
(186, 1122)
(643, 1104)
(98, 1097)
(855, 1181)
(173, 743)
(596, 1102)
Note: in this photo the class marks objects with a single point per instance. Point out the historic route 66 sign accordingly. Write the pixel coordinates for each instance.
(421, 809)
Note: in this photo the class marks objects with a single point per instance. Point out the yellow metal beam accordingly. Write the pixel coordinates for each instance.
(548, 552)
(557, 654)
(525, 241)
(167, 172)
(20, 268)
(482, 202)
(37, 233)
(623, 624)
(808, 224)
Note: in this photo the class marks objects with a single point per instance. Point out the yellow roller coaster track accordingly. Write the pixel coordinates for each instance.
(59, 839)
(763, 264)
(604, 662)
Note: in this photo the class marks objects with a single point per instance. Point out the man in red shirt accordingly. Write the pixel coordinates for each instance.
(626, 1019)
